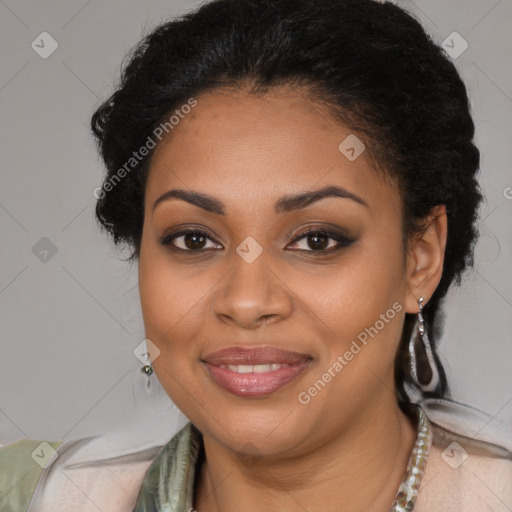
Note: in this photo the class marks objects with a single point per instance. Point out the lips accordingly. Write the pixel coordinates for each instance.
(254, 355)
(255, 371)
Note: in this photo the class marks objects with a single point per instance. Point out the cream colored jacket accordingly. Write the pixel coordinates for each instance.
(107, 473)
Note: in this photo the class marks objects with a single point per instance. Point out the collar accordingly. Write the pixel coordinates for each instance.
(169, 482)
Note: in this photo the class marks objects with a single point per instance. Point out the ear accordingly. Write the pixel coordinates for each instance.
(425, 259)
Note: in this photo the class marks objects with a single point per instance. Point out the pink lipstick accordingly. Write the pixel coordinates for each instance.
(255, 371)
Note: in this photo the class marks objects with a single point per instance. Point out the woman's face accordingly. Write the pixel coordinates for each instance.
(259, 283)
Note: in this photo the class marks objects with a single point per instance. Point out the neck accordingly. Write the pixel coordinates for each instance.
(362, 469)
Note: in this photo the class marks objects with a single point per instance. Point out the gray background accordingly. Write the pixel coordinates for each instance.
(70, 324)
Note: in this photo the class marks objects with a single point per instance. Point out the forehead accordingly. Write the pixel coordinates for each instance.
(234, 146)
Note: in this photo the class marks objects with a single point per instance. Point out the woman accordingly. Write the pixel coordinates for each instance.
(297, 182)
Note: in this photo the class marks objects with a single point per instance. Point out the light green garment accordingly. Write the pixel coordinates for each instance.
(169, 482)
(21, 466)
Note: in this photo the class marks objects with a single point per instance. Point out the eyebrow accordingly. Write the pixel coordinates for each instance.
(283, 205)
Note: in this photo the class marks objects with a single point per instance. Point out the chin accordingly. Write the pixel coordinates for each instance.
(265, 427)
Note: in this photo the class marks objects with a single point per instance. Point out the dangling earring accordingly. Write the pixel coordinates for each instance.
(147, 391)
(148, 370)
(146, 352)
(422, 362)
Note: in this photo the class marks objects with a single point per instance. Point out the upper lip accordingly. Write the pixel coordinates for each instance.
(254, 355)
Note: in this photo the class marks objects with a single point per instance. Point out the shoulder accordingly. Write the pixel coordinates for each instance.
(73, 475)
(465, 475)
(21, 465)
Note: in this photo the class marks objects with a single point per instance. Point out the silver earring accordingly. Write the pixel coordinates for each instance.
(148, 370)
(142, 352)
(147, 390)
(422, 362)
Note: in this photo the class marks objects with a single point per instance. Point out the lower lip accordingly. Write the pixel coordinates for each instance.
(255, 384)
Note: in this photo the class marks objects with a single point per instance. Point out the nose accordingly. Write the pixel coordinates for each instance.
(252, 294)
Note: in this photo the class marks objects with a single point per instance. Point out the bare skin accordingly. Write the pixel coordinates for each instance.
(349, 445)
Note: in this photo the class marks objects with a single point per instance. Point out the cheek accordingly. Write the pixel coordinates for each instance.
(171, 308)
(172, 301)
(361, 301)
(350, 295)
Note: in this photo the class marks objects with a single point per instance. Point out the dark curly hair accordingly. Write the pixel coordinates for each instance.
(370, 64)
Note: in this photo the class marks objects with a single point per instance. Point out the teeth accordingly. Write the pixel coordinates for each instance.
(262, 368)
(241, 368)
(254, 368)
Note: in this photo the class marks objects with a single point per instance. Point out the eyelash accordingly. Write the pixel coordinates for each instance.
(342, 240)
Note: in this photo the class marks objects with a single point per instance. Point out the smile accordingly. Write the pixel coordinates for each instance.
(255, 371)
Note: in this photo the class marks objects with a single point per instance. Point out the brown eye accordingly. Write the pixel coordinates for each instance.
(318, 241)
(187, 240)
(194, 240)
